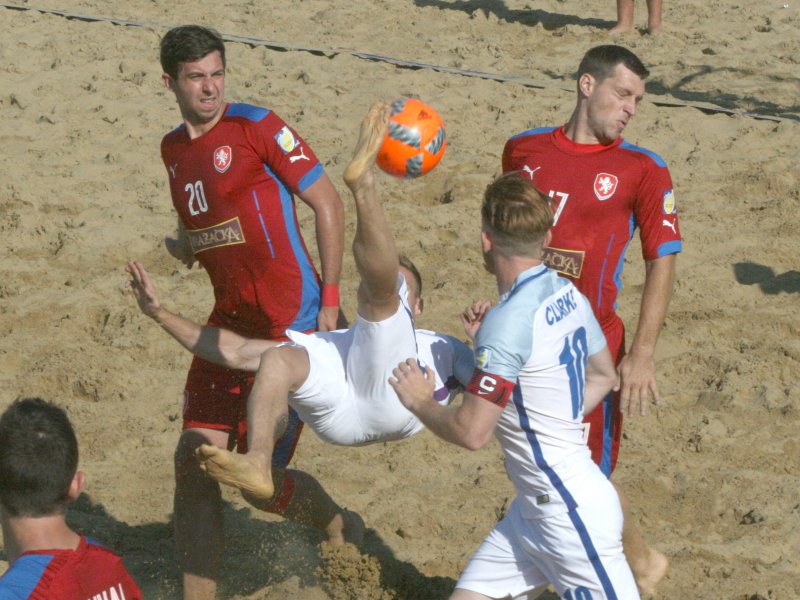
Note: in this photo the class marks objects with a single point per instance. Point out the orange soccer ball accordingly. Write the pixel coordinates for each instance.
(415, 142)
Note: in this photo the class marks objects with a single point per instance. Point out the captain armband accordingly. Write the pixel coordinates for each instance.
(490, 387)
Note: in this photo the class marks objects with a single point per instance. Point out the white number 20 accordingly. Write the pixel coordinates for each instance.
(197, 197)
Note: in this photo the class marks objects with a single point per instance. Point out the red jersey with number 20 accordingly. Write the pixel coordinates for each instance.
(233, 190)
(600, 195)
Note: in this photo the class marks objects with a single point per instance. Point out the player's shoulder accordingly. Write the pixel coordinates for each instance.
(648, 157)
(246, 112)
(24, 575)
(173, 134)
(532, 133)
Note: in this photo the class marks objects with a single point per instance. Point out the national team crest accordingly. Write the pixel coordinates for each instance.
(286, 140)
(222, 158)
(605, 185)
(669, 202)
(482, 355)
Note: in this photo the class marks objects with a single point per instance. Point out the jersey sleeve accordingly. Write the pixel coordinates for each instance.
(463, 361)
(656, 212)
(510, 161)
(503, 343)
(284, 152)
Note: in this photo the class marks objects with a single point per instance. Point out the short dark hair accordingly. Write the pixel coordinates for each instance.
(601, 61)
(516, 214)
(406, 262)
(38, 458)
(188, 43)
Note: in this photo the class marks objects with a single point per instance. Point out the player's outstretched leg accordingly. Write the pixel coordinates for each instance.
(248, 473)
(373, 246)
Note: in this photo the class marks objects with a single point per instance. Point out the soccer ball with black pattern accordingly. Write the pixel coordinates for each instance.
(415, 142)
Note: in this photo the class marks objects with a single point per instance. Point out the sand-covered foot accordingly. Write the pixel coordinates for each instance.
(241, 471)
(650, 572)
(370, 139)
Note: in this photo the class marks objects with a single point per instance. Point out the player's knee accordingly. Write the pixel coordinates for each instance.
(287, 363)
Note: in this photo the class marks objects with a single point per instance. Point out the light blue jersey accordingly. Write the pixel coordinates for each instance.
(539, 337)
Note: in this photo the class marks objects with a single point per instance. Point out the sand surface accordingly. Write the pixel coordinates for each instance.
(713, 473)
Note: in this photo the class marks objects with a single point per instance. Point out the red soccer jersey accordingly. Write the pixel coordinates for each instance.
(86, 573)
(233, 190)
(600, 195)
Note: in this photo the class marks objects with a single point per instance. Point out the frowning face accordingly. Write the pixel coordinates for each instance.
(611, 103)
(199, 90)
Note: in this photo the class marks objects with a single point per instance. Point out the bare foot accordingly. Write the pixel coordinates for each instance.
(245, 472)
(370, 138)
(649, 572)
(620, 28)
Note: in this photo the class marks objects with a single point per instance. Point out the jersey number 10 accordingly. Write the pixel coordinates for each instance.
(574, 357)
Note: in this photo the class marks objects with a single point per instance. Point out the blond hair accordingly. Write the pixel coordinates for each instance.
(517, 215)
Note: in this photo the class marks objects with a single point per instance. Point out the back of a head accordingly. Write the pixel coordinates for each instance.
(517, 215)
(601, 61)
(188, 43)
(38, 458)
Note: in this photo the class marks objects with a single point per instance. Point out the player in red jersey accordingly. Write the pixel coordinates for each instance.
(234, 170)
(602, 189)
(38, 477)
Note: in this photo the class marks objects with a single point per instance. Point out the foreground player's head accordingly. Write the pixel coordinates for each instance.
(189, 43)
(413, 279)
(610, 85)
(38, 460)
(515, 219)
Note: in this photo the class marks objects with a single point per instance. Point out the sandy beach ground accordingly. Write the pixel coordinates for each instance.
(713, 473)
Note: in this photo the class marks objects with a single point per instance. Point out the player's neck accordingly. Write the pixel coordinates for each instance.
(195, 129)
(508, 268)
(27, 534)
(577, 128)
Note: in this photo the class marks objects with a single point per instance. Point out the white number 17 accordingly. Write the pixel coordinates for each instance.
(562, 202)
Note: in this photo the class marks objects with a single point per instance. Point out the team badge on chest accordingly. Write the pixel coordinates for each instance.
(223, 156)
(605, 185)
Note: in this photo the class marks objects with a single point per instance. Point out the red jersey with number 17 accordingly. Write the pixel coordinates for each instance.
(233, 190)
(600, 195)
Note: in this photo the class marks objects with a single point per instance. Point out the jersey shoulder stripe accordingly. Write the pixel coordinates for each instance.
(247, 111)
(23, 577)
(536, 131)
(633, 148)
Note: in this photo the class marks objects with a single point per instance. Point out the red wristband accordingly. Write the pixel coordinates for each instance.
(330, 295)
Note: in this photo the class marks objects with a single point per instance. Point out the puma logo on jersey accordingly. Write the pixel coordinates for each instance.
(530, 171)
(669, 224)
(172, 169)
(301, 156)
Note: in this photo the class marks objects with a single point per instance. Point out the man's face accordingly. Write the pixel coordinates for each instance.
(414, 299)
(486, 250)
(611, 103)
(200, 89)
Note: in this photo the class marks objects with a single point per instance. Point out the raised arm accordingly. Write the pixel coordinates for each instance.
(469, 425)
(216, 345)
